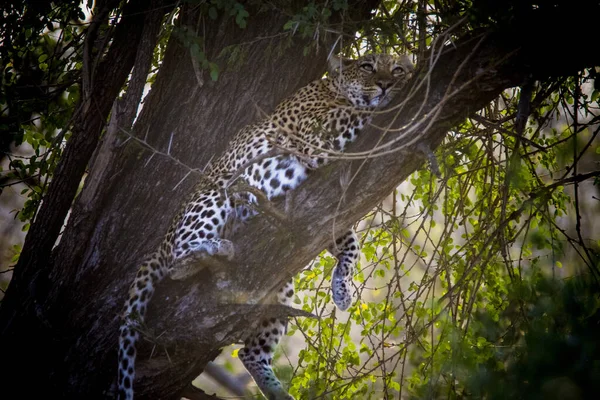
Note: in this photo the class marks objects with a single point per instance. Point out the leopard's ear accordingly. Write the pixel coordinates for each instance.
(336, 63)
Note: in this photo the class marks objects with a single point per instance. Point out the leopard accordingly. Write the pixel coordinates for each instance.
(274, 156)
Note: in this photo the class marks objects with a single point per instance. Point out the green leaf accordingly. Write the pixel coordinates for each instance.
(214, 71)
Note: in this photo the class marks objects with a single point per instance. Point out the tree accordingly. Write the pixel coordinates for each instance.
(224, 63)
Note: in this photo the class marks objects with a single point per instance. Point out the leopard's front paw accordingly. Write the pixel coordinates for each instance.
(343, 294)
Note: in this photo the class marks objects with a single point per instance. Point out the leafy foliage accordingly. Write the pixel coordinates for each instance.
(41, 62)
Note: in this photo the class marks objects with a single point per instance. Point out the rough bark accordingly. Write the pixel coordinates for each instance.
(128, 201)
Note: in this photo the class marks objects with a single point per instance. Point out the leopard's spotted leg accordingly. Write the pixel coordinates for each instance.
(152, 271)
(257, 354)
(346, 249)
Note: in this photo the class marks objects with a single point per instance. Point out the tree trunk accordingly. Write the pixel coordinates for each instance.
(61, 314)
(131, 194)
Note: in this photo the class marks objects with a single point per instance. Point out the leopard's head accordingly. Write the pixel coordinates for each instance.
(371, 80)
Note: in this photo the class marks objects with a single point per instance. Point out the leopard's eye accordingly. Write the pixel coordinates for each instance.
(398, 71)
(367, 67)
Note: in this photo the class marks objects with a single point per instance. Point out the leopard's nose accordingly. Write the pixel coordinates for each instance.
(384, 85)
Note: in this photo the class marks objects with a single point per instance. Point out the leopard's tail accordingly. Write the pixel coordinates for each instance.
(151, 272)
